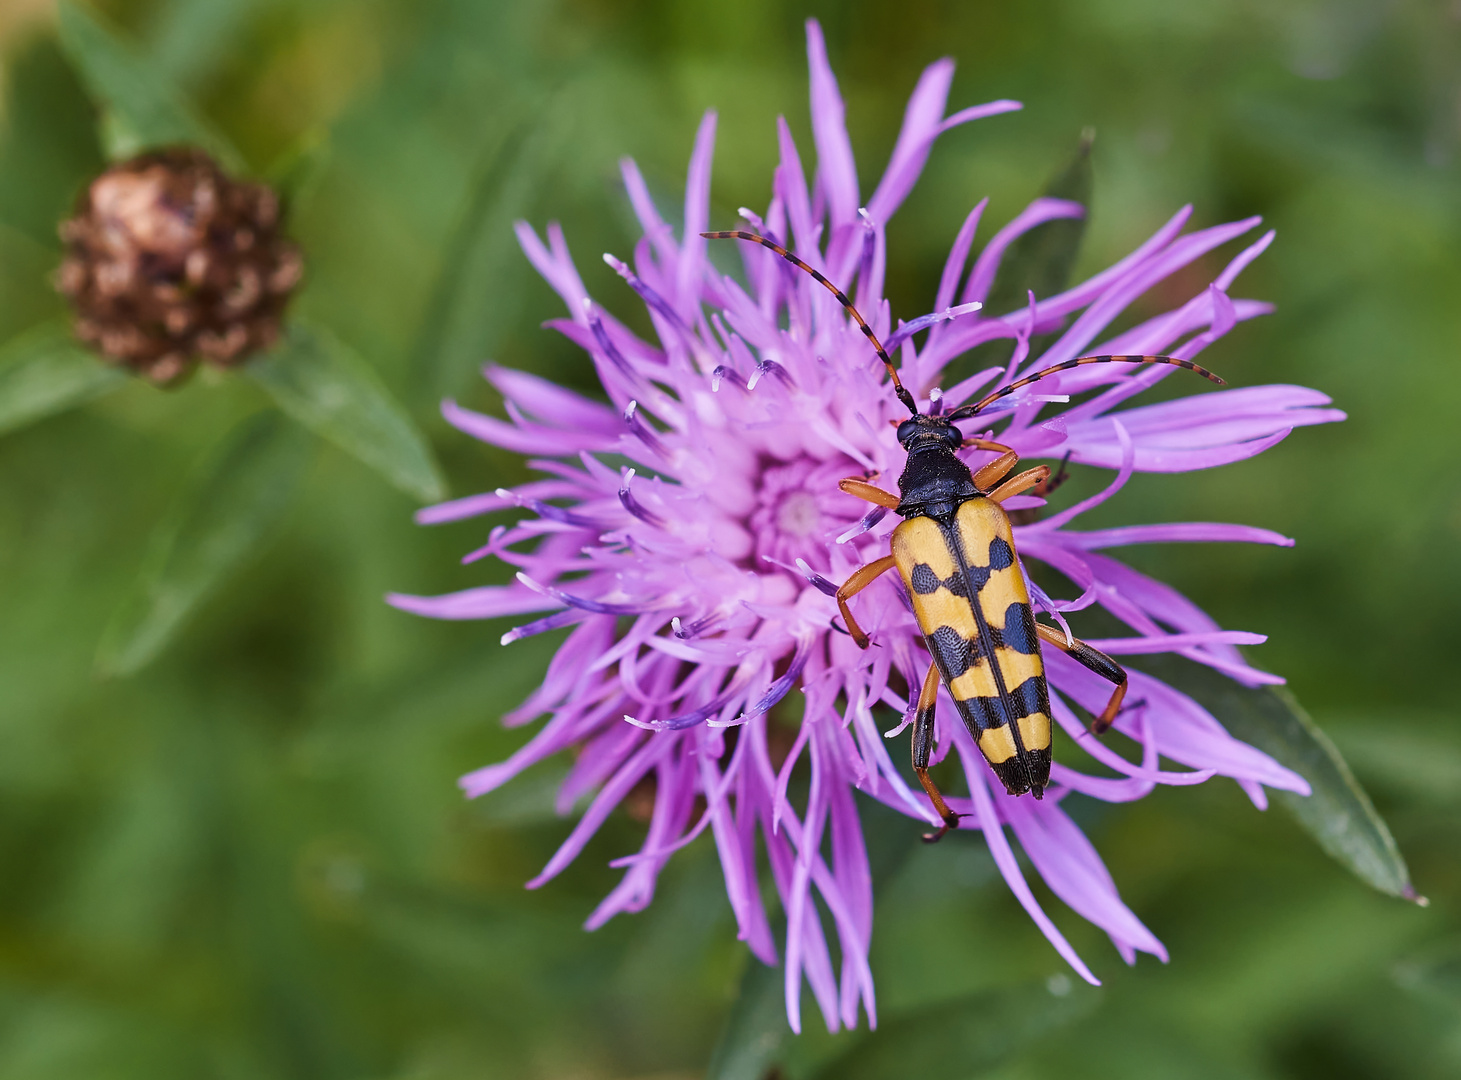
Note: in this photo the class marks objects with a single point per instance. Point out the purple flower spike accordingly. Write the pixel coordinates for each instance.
(689, 534)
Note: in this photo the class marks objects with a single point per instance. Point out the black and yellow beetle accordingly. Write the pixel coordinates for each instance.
(955, 552)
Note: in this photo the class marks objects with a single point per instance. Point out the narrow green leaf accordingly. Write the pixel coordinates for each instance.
(146, 110)
(1338, 814)
(1042, 259)
(323, 383)
(965, 1036)
(751, 1042)
(473, 300)
(45, 371)
(296, 173)
(228, 508)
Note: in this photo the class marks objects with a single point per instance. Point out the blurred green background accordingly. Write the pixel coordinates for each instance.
(251, 859)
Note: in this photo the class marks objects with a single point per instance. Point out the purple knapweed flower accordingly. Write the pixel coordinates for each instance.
(695, 582)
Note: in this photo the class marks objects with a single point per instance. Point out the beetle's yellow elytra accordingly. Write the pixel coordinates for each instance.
(989, 658)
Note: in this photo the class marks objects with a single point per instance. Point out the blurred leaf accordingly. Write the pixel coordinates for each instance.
(964, 1036)
(45, 371)
(323, 383)
(1043, 258)
(751, 1041)
(1338, 813)
(227, 509)
(48, 148)
(473, 299)
(1434, 973)
(146, 107)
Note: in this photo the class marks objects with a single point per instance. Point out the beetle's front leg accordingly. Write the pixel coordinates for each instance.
(1030, 478)
(1094, 660)
(858, 580)
(989, 475)
(859, 488)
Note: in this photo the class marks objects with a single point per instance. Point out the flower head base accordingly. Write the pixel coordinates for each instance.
(169, 259)
(696, 581)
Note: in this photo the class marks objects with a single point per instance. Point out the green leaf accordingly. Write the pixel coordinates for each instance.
(1043, 258)
(323, 383)
(227, 509)
(750, 1044)
(1338, 813)
(45, 371)
(143, 109)
(965, 1036)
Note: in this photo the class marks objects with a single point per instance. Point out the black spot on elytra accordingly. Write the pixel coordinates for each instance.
(1030, 697)
(1019, 629)
(951, 650)
(924, 579)
(1001, 555)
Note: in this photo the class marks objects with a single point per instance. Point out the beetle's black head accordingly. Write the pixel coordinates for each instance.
(920, 432)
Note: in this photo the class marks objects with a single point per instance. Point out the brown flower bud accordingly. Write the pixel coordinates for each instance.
(170, 261)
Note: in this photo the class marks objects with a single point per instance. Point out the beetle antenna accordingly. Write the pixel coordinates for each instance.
(967, 411)
(740, 234)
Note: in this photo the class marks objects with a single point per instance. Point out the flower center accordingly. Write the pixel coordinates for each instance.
(795, 511)
(799, 514)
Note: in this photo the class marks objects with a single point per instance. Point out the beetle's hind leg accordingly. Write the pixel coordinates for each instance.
(923, 749)
(1097, 661)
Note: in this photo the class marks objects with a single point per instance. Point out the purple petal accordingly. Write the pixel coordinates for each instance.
(697, 217)
(958, 254)
(488, 502)
(836, 171)
(1194, 532)
(656, 229)
(791, 185)
(556, 265)
(1116, 299)
(537, 440)
(485, 602)
(1158, 643)
(551, 403)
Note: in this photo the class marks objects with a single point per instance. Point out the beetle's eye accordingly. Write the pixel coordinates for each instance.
(906, 430)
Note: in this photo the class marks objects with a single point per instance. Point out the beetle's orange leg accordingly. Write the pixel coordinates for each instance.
(1030, 478)
(869, 492)
(923, 748)
(1096, 661)
(984, 444)
(995, 471)
(858, 580)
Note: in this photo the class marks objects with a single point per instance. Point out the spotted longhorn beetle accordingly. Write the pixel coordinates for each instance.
(955, 552)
